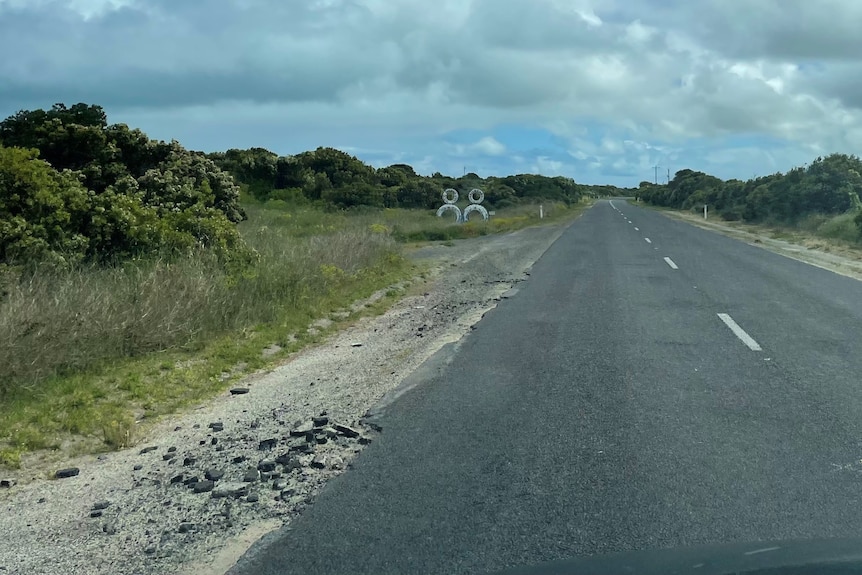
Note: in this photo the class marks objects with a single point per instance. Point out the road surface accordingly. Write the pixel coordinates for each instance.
(652, 385)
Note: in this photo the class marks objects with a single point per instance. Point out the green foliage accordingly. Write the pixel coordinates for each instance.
(829, 186)
(73, 188)
(338, 180)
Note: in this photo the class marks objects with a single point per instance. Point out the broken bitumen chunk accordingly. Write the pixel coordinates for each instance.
(251, 476)
(216, 426)
(345, 430)
(204, 486)
(214, 474)
(66, 473)
(96, 513)
(98, 506)
(7, 483)
(320, 420)
(239, 459)
(266, 465)
(171, 449)
(319, 461)
(188, 461)
(267, 444)
(239, 391)
(284, 459)
(177, 479)
(253, 498)
(302, 430)
(137, 467)
(185, 527)
(191, 480)
(146, 450)
(167, 456)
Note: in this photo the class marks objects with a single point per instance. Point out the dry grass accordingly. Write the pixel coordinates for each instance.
(84, 350)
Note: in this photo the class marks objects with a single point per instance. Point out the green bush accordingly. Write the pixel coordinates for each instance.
(74, 189)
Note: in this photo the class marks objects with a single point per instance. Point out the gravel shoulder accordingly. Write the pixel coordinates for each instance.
(839, 259)
(206, 484)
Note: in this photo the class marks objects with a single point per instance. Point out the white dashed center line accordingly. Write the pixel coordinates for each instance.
(672, 265)
(637, 229)
(647, 240)
(739, 332)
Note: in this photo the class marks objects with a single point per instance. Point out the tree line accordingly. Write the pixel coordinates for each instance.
(336, 179)
(74, 188)
(829, 185)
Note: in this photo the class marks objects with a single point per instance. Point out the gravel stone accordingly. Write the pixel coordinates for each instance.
(216, 426)
(239, 391)
(251, 476)
(98, 506)
(66, 473)
(146, 450)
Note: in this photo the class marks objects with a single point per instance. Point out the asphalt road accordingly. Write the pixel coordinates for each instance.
(607, 407)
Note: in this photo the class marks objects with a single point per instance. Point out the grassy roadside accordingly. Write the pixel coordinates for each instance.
(835, 235)
(91, 357)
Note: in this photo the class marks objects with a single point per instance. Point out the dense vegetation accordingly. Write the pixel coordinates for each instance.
(73, 189)
(829, 186)
(335, 179)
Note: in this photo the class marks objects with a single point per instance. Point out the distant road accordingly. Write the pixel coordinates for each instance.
(652, 385)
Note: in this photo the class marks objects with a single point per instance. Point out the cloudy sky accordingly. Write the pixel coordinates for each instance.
(597, 90)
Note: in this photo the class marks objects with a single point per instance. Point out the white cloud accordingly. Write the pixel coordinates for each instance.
(381, 75)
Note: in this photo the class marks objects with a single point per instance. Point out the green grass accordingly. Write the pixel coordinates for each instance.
(841, 227)
(90, 353)
(428, 227)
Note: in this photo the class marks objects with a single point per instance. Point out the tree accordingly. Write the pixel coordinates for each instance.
(41, 210)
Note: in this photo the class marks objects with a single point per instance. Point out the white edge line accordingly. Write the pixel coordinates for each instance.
(672, 265)
(739, 332)
(764, 550)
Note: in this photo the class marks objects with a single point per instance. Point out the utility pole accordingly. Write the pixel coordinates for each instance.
(656, 167)
(668, 176)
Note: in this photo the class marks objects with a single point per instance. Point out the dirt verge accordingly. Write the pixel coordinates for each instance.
(205, 485)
